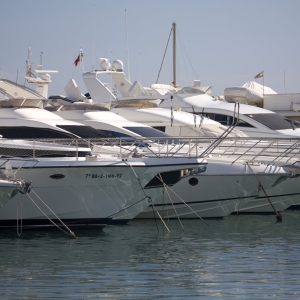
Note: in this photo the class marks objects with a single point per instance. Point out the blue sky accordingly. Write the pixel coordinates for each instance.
(222, 43)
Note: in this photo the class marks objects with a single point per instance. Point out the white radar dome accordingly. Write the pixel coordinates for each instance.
(45, 77)
(117, 65)
(104, 64)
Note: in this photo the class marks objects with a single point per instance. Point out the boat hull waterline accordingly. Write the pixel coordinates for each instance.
(86, 193)
(221, 190)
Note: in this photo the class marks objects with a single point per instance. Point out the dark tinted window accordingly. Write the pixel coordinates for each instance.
(32, 133)
(274, 121)
(226, 120)
(147, 132)
(86, 131)
(115, 134)
(160, 128)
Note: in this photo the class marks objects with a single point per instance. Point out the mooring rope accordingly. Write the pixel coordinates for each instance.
(19, 233)
(125, 208)
(149, 198)
(70, 231)
(165, 188)
(278, 215)
(244, 191)
(186, 204)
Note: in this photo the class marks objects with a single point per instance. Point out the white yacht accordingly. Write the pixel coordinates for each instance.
(198, 189)
(81, 189)
(283, 197)
(253, 93)
(251, 184)
(253, 121)
(86, 191)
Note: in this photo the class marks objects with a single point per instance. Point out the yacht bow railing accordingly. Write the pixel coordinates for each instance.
(233, 149)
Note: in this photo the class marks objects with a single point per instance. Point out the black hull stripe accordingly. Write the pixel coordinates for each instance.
(45, 224)
(280, 195)
(204, 201)
(226, 199)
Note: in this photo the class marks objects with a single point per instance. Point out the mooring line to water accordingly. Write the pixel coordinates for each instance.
(185, 203)
(278, 215)
(149, 198)
(68, 233)
(244, 191)
(127, 207)
(19, 233)
(170, 200)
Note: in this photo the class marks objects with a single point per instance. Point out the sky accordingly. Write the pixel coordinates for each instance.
(221, 43)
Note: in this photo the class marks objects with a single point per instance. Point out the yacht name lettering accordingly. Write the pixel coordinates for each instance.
(103, 175)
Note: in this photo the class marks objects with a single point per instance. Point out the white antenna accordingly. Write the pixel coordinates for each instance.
(94, 38)
(41, 58)
(81, 60)
(284, 82)
(127, 46)
(29, 64)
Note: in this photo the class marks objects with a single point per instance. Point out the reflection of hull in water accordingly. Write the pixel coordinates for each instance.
(220, 190)
(86, 193)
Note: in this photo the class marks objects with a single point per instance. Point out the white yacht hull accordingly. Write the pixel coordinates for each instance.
(221, 190)
(282, 197)
(85, 192)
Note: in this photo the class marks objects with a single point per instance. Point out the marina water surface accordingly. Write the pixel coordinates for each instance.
(246, 257)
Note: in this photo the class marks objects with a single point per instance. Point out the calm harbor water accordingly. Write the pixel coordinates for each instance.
(250, 257)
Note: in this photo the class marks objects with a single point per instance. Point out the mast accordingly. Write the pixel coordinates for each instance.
(127, 45)
(174, 55)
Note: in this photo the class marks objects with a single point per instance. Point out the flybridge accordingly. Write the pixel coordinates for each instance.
(10, 89)
(42, 80)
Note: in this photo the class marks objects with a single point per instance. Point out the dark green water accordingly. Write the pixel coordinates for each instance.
(244, 257)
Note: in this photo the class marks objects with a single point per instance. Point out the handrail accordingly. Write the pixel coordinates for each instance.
(27, 89)
(275, 150)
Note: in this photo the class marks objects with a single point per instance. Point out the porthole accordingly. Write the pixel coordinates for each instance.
(57, 176)
(193, 181)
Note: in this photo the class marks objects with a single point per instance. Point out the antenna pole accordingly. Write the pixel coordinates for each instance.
(28, 64)
(284, 81)
(127, 45)
(41, 59)
(94, 35)
(174, 55)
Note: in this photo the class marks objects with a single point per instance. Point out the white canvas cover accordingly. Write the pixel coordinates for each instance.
(250, 93)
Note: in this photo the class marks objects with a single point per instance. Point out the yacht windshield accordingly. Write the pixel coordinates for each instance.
(151, 133)
(147, 132)
(274, 121)
(24, 132)
(85, 131)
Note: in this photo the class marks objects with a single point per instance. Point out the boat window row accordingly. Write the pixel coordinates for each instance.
(226, 120)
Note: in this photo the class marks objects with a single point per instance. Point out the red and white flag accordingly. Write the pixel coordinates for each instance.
(79, 58)
(261, 74)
